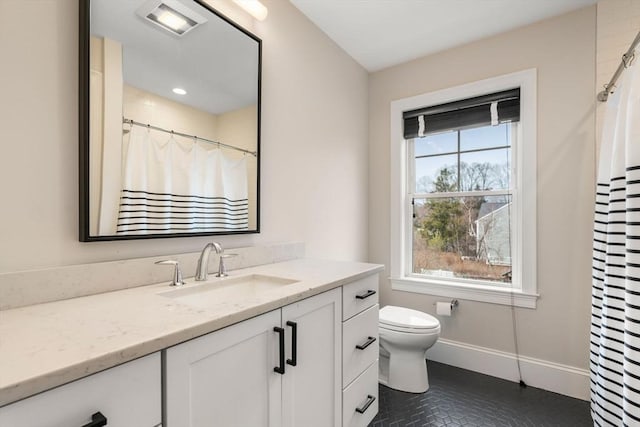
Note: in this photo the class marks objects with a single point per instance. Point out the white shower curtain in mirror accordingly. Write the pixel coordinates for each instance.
(175, 184)
(615, 315)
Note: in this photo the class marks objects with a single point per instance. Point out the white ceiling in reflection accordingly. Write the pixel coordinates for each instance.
(215, 62)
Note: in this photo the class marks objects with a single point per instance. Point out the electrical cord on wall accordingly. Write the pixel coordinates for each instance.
(515, 336)
(508, 275)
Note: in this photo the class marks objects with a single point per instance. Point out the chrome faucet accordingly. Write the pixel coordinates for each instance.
(203, 262)
(177, 273)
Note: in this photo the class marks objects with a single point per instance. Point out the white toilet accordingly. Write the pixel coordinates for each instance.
(405, 336)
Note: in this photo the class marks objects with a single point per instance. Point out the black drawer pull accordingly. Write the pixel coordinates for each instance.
(280, 331)
(97, 420)
(366, 294)
(294, 343)
(367, 343)
(370, 400)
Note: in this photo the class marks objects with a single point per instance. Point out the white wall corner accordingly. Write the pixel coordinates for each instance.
(566, 380)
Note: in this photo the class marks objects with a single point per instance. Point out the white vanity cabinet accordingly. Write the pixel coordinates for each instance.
(127, 395)
(360, 351)
(279, 369)
(311, 389)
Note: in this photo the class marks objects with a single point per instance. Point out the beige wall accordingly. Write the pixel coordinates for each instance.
(314, 141)
(563, 51)
(233, 129)
(146, 107)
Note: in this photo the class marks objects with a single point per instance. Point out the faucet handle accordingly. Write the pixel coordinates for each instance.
(177, 274)
(222, 270)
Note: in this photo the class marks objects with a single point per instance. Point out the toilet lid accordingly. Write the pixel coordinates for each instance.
(407, 318)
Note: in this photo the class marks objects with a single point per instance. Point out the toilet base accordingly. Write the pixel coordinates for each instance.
(404, 372)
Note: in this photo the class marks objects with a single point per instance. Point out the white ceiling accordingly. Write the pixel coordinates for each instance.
(382, 33)
(215, 63)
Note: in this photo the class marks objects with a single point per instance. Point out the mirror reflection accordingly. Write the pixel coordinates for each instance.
(173, 121)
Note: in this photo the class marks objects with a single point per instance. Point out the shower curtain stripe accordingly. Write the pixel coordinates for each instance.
(166, 212)
(203, 199)
(615, 303)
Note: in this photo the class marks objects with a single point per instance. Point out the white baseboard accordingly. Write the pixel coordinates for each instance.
(562, 379)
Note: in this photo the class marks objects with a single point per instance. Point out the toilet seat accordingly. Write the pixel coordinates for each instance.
(407, 320)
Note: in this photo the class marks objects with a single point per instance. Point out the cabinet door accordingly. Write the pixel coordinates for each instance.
(128, 395)
(311, 390)
(226, 378)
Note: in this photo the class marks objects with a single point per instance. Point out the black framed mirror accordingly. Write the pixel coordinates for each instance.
(169, 121)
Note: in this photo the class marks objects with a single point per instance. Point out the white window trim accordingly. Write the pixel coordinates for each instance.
(524, 210)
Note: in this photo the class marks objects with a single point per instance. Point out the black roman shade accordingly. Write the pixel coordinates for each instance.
(465, 113)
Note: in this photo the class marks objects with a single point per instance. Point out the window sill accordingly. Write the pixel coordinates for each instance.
(516, 298)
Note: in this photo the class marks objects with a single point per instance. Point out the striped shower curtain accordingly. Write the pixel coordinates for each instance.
(171, 184)
(615, 314)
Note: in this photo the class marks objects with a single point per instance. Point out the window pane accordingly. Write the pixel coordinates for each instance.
(463, 237)
(436, 174)
(485, 137)
(485, 170)
(437, 143)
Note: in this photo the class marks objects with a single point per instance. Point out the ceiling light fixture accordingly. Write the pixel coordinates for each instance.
(254, 8)
(172, 19)
(179, 91)
(170, 15)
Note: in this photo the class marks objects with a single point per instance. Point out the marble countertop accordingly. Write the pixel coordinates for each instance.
(46, 345)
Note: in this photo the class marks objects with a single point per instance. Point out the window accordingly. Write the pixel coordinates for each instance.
(463, 192)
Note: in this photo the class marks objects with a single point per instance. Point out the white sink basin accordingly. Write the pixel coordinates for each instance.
(219, 291)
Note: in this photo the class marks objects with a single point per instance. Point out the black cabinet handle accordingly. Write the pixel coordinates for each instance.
(366, 294)
(294, 343)
(280, 331)
(97, 420)
(367, 343)
(370, 400)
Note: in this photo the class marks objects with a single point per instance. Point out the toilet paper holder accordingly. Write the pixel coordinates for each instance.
(454, 304)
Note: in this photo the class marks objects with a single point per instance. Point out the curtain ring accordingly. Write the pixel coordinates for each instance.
(628, 59)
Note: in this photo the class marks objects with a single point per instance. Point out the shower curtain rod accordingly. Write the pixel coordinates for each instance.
(627, 58)
(220, 144)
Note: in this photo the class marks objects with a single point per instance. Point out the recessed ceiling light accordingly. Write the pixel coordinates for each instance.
(254, 8)
(173, 20)
(179, 91)
(170, 15)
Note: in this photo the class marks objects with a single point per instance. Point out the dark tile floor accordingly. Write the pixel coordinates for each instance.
(458, 397)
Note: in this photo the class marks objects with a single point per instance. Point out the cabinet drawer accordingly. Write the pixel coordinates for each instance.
(359, 295)
(359, 343)
(127, 395)
(360, 399)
